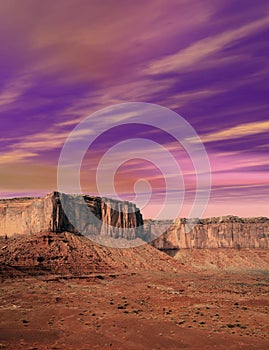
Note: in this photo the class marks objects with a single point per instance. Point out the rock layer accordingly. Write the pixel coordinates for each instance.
(104, 218)
(219, 232)
(58, 212)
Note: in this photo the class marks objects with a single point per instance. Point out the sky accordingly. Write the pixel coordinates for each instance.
(207, 61)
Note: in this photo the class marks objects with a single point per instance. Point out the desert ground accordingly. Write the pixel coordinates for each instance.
(136, 298)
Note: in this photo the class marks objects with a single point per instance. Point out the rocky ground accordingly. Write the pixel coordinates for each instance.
(66, 253)
(139, 298)
(228, 259)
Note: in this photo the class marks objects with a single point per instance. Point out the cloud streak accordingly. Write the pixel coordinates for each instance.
(63, 61)
(238, 131)
(200, 50)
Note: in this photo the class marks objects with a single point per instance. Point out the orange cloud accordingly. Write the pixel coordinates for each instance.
(237, 131)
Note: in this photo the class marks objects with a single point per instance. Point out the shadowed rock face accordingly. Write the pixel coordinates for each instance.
(219, 232)
(58, 212)
(33, 215)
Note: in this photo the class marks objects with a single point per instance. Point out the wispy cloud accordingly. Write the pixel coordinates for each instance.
(237, 131)
(177, 100)
(29, 146)
(13, 90)
(63, 63)
(202, 49)
(15, 156)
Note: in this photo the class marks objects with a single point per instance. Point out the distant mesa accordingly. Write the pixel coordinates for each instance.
(217, 232)
(118, 220)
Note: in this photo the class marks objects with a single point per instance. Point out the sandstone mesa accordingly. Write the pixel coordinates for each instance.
(122, 219)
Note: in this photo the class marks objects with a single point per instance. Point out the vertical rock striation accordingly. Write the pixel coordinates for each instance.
(217, 232)
(108, 218)
(59, 212)
(25, 215)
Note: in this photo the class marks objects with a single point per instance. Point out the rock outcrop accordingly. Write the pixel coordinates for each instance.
(217, 232)
(58, 212)
(66, 253)
(106, 220)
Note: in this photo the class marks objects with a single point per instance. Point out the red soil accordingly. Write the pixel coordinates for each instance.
(83, 296)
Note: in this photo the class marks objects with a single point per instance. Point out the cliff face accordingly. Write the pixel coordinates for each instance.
(58, 212)
(221, 232)
(25, 215)
(33, 215)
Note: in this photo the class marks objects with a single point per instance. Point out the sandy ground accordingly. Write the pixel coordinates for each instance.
(188, 309)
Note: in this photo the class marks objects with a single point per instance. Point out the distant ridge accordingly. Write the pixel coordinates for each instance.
(216, 232)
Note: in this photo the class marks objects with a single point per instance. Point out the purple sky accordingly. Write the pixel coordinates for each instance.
(63, 60)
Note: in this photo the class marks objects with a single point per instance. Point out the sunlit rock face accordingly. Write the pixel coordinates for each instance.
(25, 215)
(58, 212)
(216, 232)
